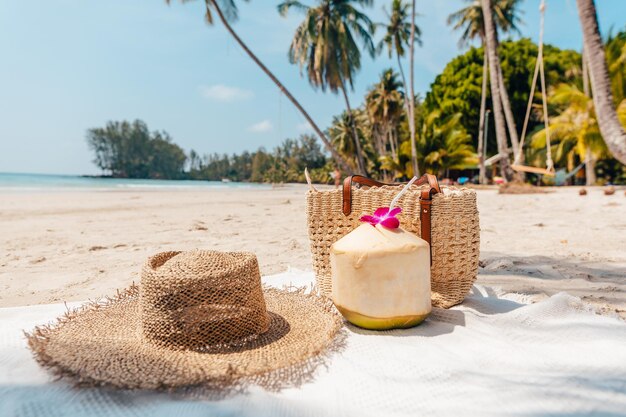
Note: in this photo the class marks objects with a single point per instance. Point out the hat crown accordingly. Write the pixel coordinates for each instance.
(202, 300)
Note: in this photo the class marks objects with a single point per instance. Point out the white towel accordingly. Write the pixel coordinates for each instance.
(489, 357)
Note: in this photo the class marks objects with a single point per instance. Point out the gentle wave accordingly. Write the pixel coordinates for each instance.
(43, 182)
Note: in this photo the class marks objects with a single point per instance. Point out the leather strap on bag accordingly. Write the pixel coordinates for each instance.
(426, 196)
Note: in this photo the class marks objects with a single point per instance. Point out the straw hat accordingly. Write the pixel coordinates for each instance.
(199, 318)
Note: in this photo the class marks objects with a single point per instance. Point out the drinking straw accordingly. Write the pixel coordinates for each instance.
(404, 190)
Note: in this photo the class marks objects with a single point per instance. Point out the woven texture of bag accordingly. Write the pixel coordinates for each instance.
(455, 233)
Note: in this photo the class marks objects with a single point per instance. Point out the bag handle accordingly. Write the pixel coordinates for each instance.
(426, 196)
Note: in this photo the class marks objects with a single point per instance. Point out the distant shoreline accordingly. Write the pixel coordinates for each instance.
(16, 182)
(111, 177)
(34, 183)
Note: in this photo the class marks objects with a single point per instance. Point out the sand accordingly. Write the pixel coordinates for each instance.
(69, 246)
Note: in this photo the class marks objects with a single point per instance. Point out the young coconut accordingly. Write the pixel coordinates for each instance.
(381, 273)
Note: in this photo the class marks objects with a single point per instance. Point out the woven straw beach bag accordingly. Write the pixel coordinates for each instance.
(446, 217)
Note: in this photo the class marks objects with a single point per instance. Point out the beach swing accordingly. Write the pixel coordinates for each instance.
(539, 70)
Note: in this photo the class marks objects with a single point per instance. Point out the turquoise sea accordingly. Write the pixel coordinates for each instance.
(44, 182)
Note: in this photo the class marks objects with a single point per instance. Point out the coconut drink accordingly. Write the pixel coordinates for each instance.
(381, 273)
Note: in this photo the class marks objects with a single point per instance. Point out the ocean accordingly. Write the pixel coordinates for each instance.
(45, 182)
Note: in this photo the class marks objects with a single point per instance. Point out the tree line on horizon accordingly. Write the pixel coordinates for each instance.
(391, 136)
(130, 150)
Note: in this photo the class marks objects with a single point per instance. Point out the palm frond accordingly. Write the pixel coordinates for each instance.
(283, 8)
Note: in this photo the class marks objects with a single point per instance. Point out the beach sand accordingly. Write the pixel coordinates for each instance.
(68, 246)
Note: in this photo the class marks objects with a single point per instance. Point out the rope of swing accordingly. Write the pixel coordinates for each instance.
(539, 70)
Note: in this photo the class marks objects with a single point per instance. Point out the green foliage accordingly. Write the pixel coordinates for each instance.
(572, 130)
(341, 136)
(129, 150)
(616, 59)
(457, 88)
(384, 107)
(398, 31)
(446, 122)
(469, 20)
(442, 145)
(611, 171)
(325, 43)
(286, 163)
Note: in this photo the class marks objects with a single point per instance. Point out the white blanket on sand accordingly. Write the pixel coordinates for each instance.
(490, 356)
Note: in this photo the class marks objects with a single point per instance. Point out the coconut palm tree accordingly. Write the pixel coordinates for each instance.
(470, 21)
(612, 131)
(574, 131)
(416, 169)
(444, 144)
(491, 43)
(227, 12)
(399, 33)
(615, 49)
(327, 44)
(383, 104)
(341, 133)
(506, 19)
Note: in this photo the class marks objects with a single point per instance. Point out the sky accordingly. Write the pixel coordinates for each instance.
(70, 65)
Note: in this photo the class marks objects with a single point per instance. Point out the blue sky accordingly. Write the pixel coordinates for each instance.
(68, 65)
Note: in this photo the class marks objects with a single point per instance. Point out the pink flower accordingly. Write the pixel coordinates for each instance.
(384, 217)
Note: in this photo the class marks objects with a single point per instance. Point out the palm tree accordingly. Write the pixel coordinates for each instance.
(416, 169)
(227, 12)
(444, 144)
(574, 131)
(399, 33)
(384, 108)
(612, 131)
(326, 45)
(341, 133)
(470, 21)
(494, 64)
(615, 49)
(506, 18)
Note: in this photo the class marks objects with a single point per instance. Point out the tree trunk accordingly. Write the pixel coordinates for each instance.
(481, 124)
(378, 135)
(518, 153)
(416, 170)
(394, 154)
(394, 135)
(590, 167)
(357, 143)
(404, 84)
(508, 113)
(612, 131)
(590, 160)
(383, 143)
(336, 156)
(407, 108)
(585, 63)
(494, 64)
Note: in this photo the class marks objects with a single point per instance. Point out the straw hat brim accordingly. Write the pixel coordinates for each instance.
(102, 344)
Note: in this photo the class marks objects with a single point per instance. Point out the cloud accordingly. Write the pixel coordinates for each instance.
(221, 92)
(261, 127)
(304, 127)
